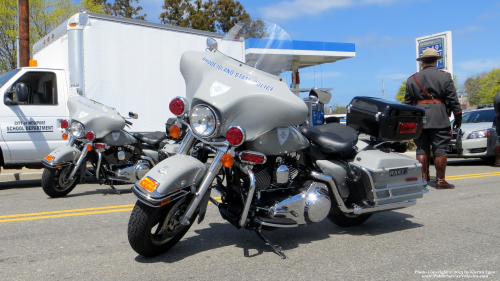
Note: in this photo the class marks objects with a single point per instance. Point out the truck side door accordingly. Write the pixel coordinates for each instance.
(31, 130)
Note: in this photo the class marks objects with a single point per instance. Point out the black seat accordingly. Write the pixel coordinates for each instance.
(153, 139)
(333, 137)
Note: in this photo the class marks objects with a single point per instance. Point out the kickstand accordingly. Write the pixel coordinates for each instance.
(114, 188)
(276, 249)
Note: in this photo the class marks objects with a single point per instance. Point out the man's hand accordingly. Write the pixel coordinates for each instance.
(458, 121)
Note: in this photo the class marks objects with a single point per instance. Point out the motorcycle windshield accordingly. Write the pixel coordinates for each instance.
(267, 46)
(94, 116)
(246, 95)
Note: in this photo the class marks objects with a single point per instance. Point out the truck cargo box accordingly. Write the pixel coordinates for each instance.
(385, 120)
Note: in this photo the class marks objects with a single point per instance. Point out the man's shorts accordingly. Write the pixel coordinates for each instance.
(437, 138)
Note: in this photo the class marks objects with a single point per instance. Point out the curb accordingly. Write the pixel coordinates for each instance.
(20, 176)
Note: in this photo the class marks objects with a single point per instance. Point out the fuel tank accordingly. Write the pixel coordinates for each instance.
(278, 141)
(242, 95)
(118, 138)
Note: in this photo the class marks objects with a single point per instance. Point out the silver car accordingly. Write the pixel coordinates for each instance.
(477, 138)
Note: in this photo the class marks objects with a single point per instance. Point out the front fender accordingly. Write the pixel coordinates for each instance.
(173, 176)
(62, 155)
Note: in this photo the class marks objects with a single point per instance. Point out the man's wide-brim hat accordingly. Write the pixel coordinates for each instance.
(429, 53)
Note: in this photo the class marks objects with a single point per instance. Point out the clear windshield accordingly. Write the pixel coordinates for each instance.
(266, 45)
(477, 116)
(102, 92)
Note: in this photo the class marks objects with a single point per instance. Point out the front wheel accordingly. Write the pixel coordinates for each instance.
(153, 231)
(346, 220)
(55, 182)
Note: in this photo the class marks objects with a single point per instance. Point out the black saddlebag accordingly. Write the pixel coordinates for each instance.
(385, 120)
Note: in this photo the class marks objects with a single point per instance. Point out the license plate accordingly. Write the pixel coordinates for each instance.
(449, 148)
(398, 172)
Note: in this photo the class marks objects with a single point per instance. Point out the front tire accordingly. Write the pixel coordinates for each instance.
(153, 231)
(55, 182)
(345, 220)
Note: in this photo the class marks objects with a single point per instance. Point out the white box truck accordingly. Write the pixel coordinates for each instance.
(140, 59)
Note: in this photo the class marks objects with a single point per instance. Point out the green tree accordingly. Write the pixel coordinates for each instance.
(215, 16)
(124, 8)
(490, 86)
(400, 96)
(455, 82)
(472, 88)
(45, 16)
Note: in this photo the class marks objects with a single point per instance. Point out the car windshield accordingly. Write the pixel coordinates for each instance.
(6, 77)
(477, 116)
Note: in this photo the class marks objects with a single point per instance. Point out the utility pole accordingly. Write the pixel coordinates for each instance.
(17, 39)
(24, 33)
(383, 90)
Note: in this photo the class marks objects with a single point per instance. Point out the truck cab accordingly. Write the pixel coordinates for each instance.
(33, 105)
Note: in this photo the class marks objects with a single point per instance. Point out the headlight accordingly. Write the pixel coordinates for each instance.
(479, 134)
(77, 129)
(204, 121)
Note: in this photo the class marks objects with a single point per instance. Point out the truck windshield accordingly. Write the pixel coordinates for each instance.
(6, 77)
(477, 116)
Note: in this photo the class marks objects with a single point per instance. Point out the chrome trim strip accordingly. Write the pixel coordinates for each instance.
(149, 159)
(404, 195)
(251, 191)
(275, 225)
(53, 164)
(156, 202)
(401, 186)
(99, 159)
(386, 207)
(333, 187)
(374, 192)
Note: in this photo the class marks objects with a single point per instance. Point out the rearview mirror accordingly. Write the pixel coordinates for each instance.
(21, 92)
(211, 43)
(133, 115)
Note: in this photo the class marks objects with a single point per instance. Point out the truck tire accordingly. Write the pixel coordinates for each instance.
(153, 231)
(344, 220)
(55, 181)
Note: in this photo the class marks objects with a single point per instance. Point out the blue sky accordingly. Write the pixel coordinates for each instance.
(384, 32)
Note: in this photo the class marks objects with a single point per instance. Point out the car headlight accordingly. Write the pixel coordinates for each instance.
(479, 134)
(204, 121)
(77, 129)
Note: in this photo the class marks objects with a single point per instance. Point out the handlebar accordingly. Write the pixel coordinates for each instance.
(128, 122)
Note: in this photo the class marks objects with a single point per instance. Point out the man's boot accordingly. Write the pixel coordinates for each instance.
(497, 156)
(440, 164)
(424, 160)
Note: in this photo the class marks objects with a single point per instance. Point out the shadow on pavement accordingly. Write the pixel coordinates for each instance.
(219, 235)
(104, 192)
(20, 184)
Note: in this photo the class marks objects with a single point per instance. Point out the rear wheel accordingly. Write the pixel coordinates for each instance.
(56, 183)
(346, 220)
(153, 231)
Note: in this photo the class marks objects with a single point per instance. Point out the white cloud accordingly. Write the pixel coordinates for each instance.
(468, 29)
(296, 8)
(375, 40)
(396, 76)
(319, 75)
(478, 66)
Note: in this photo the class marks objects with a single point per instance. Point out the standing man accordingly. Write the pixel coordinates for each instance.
(496, 102)
(431, 90)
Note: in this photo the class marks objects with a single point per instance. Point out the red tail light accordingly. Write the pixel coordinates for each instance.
(253, 157)
(99, 145)
(178, 106)
(90, 135)
(407, 128)
(64, 124)
(235, 135)
(411, 179)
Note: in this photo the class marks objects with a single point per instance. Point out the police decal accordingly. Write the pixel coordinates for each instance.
(218, 89)
(283, 133)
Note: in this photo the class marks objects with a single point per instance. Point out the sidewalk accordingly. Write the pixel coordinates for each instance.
(20, 174)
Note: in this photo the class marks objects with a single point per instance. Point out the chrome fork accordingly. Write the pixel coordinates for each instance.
(79, 162)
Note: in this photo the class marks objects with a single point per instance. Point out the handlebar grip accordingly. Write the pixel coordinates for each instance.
(128, 122)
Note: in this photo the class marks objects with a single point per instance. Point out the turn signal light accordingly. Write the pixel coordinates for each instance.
(148, 183)
(50, 157)
(89, 147)
(99, 145)
(227, 160)
(235, 135)
(175, 131)
(407, 128)
(64, 124)
(411, 179)
(253, 157)
(64, 136)
(178, 106)
(90, 135)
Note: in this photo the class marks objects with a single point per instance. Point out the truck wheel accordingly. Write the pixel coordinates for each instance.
(153, 231)
(345, 220)
(55, 182)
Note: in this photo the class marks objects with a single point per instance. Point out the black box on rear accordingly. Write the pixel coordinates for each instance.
(385, 120)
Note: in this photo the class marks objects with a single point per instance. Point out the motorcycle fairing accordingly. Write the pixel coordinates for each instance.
(278, 141)
(63, 155)
(244, 96)
(96, 117)
(118, 138)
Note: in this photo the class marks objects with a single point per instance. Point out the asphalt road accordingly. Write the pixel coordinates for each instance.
(83, 236)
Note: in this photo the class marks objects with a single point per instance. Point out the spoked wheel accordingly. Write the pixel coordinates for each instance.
(56, 183)
(153, 231)
(346, 220)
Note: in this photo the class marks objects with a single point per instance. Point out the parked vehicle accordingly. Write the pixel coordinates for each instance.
(95, 134)
(270, 173)
(136, 56)
(477, 137)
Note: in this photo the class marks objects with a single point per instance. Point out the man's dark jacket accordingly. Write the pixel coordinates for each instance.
(440, 85)
(496, 103)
